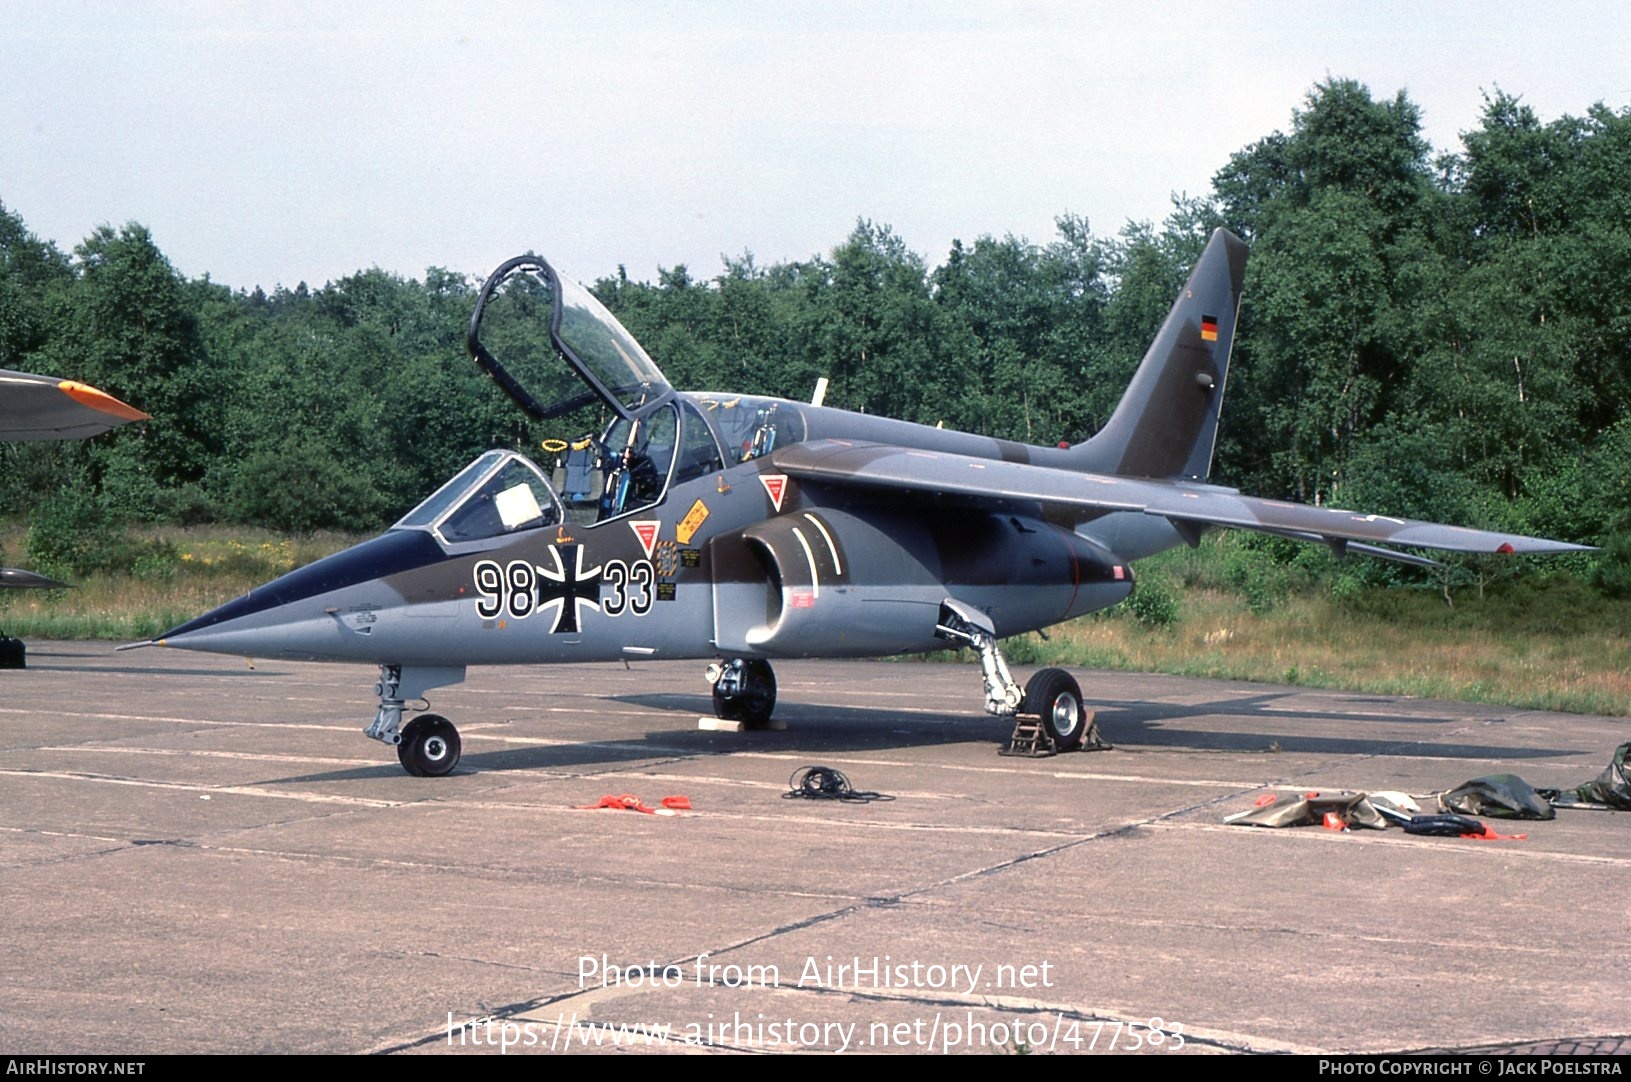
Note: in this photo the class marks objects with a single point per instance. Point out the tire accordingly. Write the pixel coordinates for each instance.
(727, 709)
(430, 746)
(1054, 696)
(757, 700)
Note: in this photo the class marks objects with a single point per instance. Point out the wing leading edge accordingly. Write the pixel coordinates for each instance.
(1189, 506)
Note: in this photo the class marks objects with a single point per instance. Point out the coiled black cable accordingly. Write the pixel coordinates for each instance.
(825, 783)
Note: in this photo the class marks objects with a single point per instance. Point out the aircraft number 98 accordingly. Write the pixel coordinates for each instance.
(515, 588)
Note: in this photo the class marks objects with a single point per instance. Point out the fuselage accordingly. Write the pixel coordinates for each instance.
(726, 559)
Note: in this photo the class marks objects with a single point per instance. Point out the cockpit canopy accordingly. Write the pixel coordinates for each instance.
(603, 360)
(498, 494)
(624, 437)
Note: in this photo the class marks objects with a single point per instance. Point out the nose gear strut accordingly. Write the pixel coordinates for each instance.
(428, 746)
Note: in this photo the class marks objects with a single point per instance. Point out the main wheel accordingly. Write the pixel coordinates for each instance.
(1054, 696)
(430, 746)
(727, 709)
(756, 699)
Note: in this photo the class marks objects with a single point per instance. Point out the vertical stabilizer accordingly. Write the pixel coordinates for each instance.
(1166, 424)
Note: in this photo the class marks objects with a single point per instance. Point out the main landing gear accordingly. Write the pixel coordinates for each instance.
(428, 746)
(1049, 715)
(744, 690)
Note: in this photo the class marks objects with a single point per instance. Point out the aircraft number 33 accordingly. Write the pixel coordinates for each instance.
(521, 588)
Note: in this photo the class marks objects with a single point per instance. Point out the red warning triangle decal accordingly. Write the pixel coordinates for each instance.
(775, 487)
(646, 531)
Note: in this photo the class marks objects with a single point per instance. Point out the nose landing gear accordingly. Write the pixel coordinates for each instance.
(429, 745)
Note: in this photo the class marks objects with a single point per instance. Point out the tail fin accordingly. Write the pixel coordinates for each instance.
(1166, 424)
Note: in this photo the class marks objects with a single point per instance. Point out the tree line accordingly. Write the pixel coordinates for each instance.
(1429, 334)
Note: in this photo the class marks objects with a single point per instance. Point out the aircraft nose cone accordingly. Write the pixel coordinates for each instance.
(260, 622)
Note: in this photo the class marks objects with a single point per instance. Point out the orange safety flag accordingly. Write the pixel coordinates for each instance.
(630, 802)
(1490, 836)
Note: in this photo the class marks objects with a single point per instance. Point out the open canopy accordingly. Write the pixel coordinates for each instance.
(586, 355)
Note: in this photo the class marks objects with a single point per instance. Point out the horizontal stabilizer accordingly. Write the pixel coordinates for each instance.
(1340, 548)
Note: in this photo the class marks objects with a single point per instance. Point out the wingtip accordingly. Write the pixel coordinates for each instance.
(101, 401)
(1546, 548)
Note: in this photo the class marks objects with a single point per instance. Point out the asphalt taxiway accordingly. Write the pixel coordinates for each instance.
(199, 856)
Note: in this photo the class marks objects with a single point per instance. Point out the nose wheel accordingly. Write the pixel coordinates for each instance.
(430, 746)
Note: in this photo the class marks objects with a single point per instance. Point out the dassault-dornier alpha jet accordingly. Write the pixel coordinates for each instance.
(744, 529)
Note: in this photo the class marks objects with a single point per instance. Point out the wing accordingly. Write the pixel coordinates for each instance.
(933, 475)
(44, 408)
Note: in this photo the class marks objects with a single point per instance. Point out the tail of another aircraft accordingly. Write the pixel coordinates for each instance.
(1166, 424)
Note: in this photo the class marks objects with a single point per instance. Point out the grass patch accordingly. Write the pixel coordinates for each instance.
(172, 575)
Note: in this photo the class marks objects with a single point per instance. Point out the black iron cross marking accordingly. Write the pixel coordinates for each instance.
(567, 588)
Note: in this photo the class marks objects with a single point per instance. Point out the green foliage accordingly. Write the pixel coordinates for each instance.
(1257, 568)
(1152, 602)
(299, 486)
(30, 272)
(72, 534)
(1019, 650)
(1443, 336)
(153, 561)
(1612, 573)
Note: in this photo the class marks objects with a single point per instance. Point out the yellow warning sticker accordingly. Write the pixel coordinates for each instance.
(691, 523)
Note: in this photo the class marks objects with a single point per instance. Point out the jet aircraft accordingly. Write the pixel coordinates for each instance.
(46, 408)
(745, 529)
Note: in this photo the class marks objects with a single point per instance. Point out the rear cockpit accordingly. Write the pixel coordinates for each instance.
(749, 427)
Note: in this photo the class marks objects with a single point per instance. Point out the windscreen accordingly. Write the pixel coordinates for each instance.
(432, 509)
(514, 498)
(498, 494)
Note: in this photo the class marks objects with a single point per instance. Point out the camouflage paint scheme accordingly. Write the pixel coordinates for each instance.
(833, 535)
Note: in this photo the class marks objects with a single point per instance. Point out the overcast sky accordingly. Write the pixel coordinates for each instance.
(267, 143)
